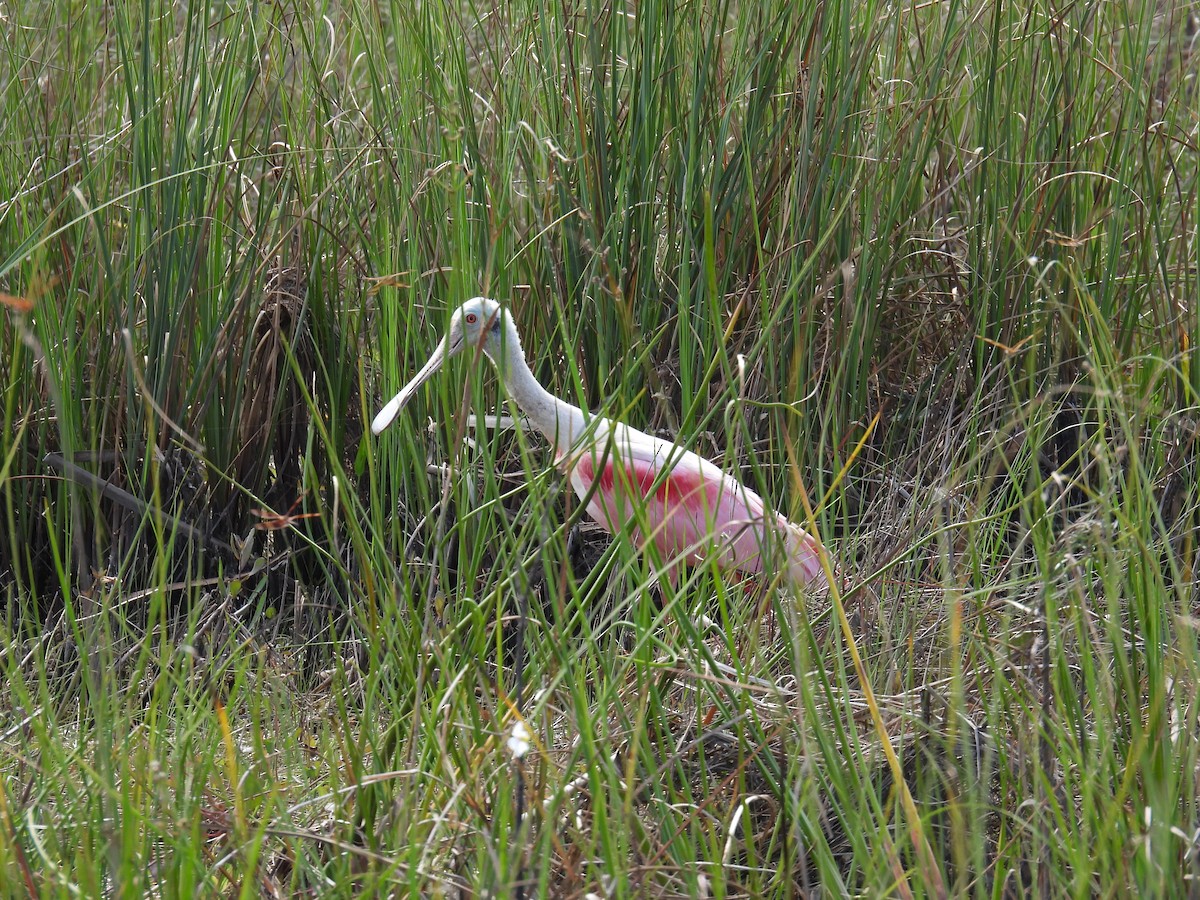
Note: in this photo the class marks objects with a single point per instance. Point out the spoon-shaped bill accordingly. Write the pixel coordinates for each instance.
(384, 417)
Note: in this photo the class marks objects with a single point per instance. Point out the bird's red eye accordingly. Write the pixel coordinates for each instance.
(472, 318)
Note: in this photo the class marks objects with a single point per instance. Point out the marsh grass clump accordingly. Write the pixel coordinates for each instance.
(926, 270)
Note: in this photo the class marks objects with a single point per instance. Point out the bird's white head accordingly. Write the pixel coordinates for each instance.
(480, 323)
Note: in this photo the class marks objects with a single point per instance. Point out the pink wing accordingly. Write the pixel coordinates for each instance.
(693, 511)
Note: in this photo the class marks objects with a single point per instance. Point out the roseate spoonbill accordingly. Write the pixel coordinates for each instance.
(692, 509)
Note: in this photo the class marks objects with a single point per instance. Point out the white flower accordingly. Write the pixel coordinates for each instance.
(518, 740)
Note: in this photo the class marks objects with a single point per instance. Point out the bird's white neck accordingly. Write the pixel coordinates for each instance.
(559, 421)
